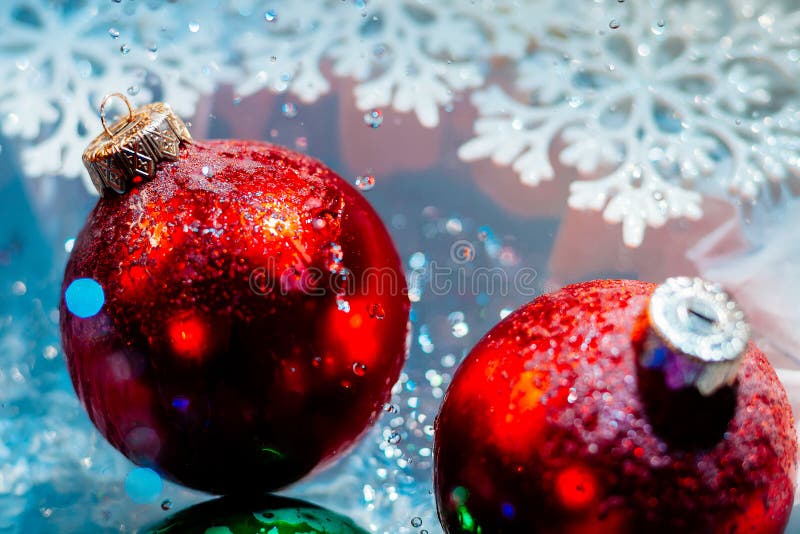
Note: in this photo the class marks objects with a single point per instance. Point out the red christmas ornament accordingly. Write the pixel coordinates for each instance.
(237, 316)
(607, 408)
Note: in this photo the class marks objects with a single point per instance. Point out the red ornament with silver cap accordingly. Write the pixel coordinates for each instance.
(617, 406)
(219, 319)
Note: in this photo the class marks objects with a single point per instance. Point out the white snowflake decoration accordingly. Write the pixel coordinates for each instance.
(650, 99)
(653, 101)
(58, 59)
(411, 55)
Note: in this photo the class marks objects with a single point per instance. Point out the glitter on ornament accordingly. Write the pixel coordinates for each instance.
(560, 419)
(189, 355)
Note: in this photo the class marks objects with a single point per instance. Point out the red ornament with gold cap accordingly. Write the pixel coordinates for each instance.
(617, 406)
(233, 313)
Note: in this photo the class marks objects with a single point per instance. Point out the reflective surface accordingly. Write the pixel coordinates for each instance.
(443, 212)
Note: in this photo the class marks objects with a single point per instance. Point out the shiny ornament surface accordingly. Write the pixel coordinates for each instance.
(245, 329)
(268, 514)
(551, 426)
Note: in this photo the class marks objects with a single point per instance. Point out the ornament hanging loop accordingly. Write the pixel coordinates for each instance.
(128, 152)
(103, 110)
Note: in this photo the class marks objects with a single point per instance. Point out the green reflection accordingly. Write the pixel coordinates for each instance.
(264, 515)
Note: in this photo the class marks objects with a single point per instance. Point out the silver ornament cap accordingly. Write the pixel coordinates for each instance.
(697, 335)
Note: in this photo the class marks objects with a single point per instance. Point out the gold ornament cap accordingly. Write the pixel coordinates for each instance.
(128, 152)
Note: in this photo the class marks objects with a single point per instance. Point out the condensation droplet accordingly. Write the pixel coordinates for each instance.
(270, 15)
(125, 49)
(166, 504)
(613, 24)
(365, 183)
(133, 90)
(194, 26)
(376, 311)
(373, 118)
(114, 33)
(334, 255)
(19, 288)
(394, 438)
(416, 521)
(390, 408)
(289, 110)
(207, 171)
(359, 369)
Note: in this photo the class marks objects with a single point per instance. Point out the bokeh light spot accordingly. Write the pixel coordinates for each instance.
(143, 485)
(84, 297)
(575, 487)
(188, 337)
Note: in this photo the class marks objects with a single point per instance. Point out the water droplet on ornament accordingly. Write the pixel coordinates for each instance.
(270, 15)
(390, 408)
(273, 59)
(376, 311)
(613, 24)
(342, 304)
(658, 28)
(365, 183)
(194, 26)
(114, 33)
(289, 110)
(335, 254)
(301, 143)
(133, 90)
(316, 362)
(166, 504)
(394, 438)
(416, 521)
(152, 48)
(359, 369)
(207, 171)
(373, 118)
(84, 297)
(125, 50)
